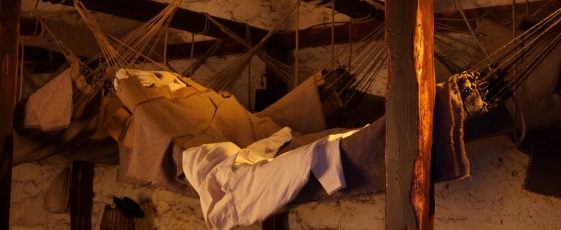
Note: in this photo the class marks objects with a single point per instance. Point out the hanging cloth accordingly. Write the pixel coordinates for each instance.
(57, 195)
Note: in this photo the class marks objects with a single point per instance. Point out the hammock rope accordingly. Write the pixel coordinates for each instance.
(297, 43)
(133, 50)
(495, 76)
(99, 79)
(472, 32)
(367, 58)
(227, 77)
(195, 65)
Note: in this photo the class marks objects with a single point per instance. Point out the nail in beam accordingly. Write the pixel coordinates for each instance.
(409, 114)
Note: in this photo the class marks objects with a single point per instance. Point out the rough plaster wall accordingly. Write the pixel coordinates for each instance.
(29, 185)
(492, 198)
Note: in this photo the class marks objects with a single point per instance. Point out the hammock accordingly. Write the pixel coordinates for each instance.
(134, 50)
(353, 74)
(200, 61)
(81, 134)
(456, 54)
(227, 77)
(499, 75)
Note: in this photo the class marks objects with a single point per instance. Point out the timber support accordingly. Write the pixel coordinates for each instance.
(409, 114)
(9, 42)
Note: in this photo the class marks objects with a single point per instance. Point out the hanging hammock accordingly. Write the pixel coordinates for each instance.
(499, 75)
(227, 77)
(135, 50)
(200, 61)
(353, 74)
(78, 94)
(455, 53)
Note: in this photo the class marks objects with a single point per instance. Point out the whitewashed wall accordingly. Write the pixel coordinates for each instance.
(492, 198)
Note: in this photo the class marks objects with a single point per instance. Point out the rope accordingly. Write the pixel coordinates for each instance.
(454, 58)
(333, 34)
(192, 54)
(368, 59)
(470, 29)
(498, 76)
(21, 67)
(201, 60)
(297, 44)
(520, 138)
(350, 44)
(249, 86)
(225, 79)
(133, 49)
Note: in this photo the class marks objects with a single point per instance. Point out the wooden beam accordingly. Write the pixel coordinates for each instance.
(409, 113)
(357, 9)
(81, 195)
(180, 51)
(321, 36)
(41, 55)
(183, 19)
(499, 14)
(276, 222)
(9, 41)
(310, 37)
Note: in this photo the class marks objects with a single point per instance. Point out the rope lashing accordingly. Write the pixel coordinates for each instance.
(496, 76)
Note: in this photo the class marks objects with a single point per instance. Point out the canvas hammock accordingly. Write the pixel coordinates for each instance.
(499, 75)
(65, 116)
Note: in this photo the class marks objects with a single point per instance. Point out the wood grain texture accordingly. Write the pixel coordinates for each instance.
(9, 41)
(409, 113)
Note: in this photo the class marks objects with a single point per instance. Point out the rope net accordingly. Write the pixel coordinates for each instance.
(499, 75)
(136, 50)
(227, 77)
(353, 73)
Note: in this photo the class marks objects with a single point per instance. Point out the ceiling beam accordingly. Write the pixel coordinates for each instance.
(313, 37)
(321, 36)
(183, 19)
(500, 14)
(183, 51)
(356, 9)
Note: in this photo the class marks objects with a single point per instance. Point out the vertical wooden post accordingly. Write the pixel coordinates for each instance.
(409, 114)
(81, 195)
(276, 222)
(9, 42)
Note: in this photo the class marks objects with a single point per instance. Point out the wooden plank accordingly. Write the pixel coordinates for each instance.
(409, 113)
(81, 195)
(9, 41)
(357, 9)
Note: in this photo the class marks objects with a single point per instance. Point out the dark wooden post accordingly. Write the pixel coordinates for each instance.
(81, 195)
(409, 114)
(276, 222)
(9, 42)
